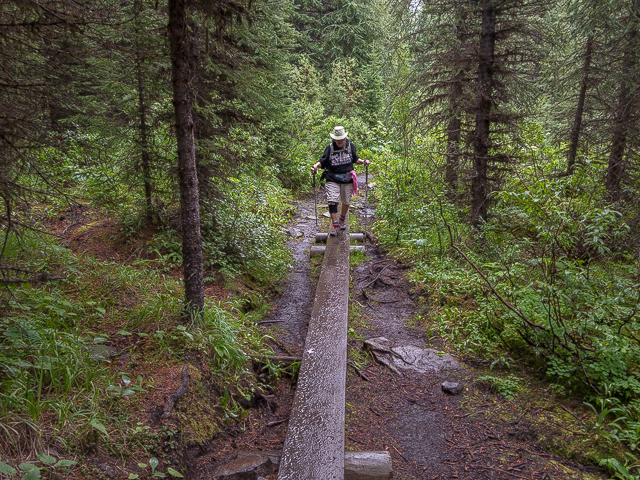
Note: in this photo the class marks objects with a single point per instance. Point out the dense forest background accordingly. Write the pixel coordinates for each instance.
(504, 136)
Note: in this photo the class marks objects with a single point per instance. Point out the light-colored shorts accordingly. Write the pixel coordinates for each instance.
(339, 192)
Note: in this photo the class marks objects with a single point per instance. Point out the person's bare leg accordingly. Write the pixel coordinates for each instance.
(345, 209)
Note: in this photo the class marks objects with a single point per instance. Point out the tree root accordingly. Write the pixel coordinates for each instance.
(173, 398)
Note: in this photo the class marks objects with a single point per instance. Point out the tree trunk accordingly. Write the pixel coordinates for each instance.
(453, 155)
(616, 165)
(482, 141)
(188, 176)
(577, 121)
(454, 127)
(144, 143)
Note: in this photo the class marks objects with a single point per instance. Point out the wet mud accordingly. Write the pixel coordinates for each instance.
(288, 320)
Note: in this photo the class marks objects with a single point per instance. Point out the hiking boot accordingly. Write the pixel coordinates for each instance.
(333, 231)
(342, 223)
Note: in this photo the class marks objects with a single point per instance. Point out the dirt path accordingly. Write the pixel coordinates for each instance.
(292, 309)
(430, 434)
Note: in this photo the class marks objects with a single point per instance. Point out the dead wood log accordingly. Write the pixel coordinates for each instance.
(182, 389)
(43, 277)
(371, 236)
(377, 277)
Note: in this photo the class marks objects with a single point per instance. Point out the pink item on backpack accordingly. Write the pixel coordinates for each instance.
(355, 182)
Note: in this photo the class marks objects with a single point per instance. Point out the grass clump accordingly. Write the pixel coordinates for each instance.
(83, 360)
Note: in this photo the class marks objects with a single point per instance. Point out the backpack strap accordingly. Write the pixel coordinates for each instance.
(347, 147)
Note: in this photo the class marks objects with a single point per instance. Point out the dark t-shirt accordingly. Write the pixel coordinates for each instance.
(338, 165)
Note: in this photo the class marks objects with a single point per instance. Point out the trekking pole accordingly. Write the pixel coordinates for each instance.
(366, 201)
(315, 198)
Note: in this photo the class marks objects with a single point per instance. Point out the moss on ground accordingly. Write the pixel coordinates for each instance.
(197, 411)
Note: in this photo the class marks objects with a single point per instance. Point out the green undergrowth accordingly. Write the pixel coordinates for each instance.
(528, 410)
(241, 231)
(357, 257)
(559, 285)
(82, 358)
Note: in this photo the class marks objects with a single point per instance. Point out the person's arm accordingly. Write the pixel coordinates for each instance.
(323, 159)
(359, 161)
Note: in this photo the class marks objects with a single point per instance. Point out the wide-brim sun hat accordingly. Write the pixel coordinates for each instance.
(339, 133)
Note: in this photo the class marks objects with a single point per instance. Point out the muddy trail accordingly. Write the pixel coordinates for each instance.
(402, 408)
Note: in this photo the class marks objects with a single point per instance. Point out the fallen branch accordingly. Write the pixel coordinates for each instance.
(375, 279)
(469, 414)
(517, 475)
(43, 277)
(282, 347)
(532, 453)
(270, 321)
(520, 417)
(277, 422)
(68, 227)
(278, 359)
(173, 398)
(358, 371)
(127, 348)
(570, 412)
(378, 414)
(266, 398)
(403, 457)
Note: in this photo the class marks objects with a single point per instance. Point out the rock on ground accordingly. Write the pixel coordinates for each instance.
(295, 233)
(249, 466)
(423, 360)
(357, 466)
(451, 388)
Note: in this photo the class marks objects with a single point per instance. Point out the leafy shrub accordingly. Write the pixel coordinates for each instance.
(555, 251)
(241, 231)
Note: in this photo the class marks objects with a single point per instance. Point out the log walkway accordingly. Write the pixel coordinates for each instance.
(314, 446)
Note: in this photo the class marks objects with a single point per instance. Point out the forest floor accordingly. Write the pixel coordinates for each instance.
(477, 434)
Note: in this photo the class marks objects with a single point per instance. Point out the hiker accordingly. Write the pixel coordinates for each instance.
(337, 161)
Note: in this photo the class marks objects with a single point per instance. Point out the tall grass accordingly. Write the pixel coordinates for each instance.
(55, 391)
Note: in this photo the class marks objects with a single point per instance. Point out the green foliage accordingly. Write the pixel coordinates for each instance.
(553, 249)
(31, 471)
(245, 226)
(507, 387)
(56, 374)
(343, 29)
(629, 470)
(152, 464)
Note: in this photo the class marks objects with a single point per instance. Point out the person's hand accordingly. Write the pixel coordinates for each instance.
(314, 169)
(367, 162)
